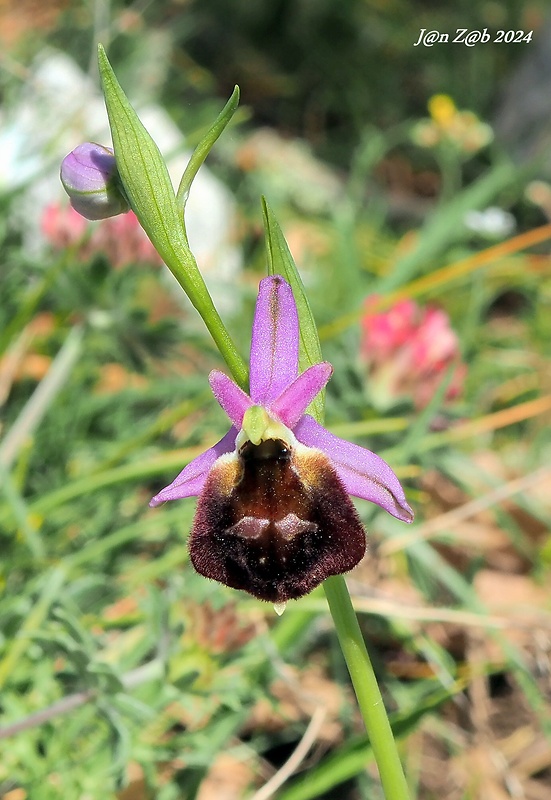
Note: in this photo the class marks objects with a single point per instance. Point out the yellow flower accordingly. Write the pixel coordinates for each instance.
(448, 126)
(442, 110)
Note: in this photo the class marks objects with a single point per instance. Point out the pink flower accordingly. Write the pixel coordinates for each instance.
(274, 517)
(385, 332)
(63, 226)
(123, 241)
(407, 351)
(120, 239)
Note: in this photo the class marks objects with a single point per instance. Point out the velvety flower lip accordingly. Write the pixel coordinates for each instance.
(276, 386)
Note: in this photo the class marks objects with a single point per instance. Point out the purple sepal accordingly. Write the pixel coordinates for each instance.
(274, 343)
(363, 473)
(192, 478)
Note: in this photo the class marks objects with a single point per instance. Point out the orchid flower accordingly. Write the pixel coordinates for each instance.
(274, 517)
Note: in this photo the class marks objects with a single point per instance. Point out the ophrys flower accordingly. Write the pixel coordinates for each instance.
(274, 517)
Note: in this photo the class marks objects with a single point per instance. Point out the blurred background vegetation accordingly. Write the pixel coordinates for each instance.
(413, 185)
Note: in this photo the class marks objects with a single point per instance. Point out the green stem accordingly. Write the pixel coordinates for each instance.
(210, 316)
(366, 688)
(450, 173)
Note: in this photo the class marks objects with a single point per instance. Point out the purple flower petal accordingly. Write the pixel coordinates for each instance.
(363, 473)
(274, 343)
(233, 400)
(90, 178)
(294, 400)
(192, 478)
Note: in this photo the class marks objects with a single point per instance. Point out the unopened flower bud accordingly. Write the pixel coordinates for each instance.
(90, 178)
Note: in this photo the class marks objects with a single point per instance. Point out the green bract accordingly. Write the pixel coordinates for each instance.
(280, 261)
(144, 176)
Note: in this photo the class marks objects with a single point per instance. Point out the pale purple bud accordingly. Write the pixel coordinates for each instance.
(89, 176)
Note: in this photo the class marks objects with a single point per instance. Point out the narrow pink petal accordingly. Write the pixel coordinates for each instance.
(274, 344)
(192, 478)
(363, 473)
(295, 399)
(233, 400)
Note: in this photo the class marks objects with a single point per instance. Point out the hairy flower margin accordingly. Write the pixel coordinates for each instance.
(274, 517)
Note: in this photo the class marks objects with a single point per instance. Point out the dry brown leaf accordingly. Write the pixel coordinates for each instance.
(122, 608)
(535, 758)
(480, 770)
(114, 378)
(220, 630)
(298, 695)
(136, 788)
(534, 790)
(227, 779)
(19, 19)
(515, 594)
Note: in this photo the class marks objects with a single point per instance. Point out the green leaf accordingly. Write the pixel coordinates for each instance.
(205, 146)
(105, 677)
(281, 262)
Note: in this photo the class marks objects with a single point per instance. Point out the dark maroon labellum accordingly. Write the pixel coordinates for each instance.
(275, 522)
